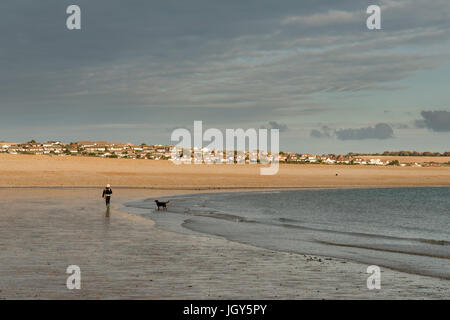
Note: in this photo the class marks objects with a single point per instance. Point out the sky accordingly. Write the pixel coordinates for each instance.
(137, 70)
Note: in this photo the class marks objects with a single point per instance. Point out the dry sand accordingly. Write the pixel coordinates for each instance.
(28, 170)
(127, 257)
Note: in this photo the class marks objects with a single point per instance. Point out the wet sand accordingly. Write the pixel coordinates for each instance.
(43, 231)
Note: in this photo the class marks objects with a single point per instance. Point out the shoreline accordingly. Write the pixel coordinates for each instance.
(207, 235)
(122, 210)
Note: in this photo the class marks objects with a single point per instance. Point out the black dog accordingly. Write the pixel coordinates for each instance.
(161, 204)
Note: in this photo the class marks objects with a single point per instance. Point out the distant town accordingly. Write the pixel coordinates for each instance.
(106, 149)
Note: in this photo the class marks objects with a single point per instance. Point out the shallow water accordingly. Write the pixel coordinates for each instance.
(405, 229)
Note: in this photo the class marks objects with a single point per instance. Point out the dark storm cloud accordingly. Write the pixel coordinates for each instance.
(438, 121)
(379, 131)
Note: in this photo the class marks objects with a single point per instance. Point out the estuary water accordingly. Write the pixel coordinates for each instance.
(405, 229)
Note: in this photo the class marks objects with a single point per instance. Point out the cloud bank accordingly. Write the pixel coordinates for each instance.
(380, 131)
(438, 121)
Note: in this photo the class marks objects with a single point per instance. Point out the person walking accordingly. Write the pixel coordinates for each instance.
(107, 193)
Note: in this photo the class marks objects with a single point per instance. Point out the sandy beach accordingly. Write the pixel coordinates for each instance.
(44, 230)
(47, 171)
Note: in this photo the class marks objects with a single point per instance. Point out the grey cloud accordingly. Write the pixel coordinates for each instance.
(316, 134)
(275, 125)
(379, 131)
(323, 132)
(438, 121)
(420, 124)
(400, 126)
(324, 19)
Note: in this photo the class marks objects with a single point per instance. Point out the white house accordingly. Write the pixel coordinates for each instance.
(377, 162)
